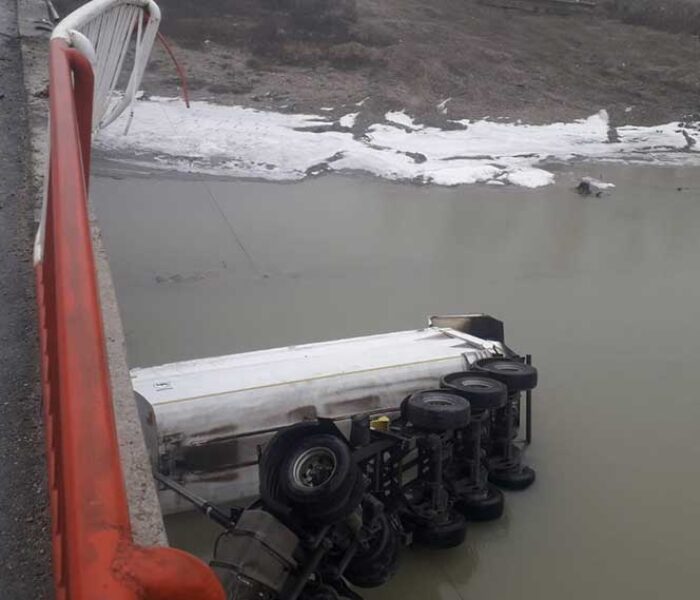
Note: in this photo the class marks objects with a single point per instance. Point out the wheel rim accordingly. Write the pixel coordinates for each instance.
(475, 384)
(438, 403)
(505, 366)
(314, 467)
(438, 399)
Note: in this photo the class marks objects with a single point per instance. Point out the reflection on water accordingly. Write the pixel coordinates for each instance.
(604, 292)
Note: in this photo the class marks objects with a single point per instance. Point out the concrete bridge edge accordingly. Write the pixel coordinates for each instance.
(144, 508)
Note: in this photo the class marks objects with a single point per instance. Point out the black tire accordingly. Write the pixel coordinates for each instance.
(335, 501)
(379, 563)
(516, 375)
(449, 534)
(485, 508)
(437, 410)
(274, 454)
(515, 479)
(483, 393)
(318, 470)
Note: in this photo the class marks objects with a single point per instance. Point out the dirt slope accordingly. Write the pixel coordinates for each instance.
(301, 55)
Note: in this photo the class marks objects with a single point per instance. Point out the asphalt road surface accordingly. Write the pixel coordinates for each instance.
(25, 552)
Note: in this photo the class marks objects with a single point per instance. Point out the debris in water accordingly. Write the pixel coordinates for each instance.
(593, 187)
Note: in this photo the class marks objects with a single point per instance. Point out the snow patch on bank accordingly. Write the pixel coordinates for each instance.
(348, 120)
(400, 117)
(244, 142)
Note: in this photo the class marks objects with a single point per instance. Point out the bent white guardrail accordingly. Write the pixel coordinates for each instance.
(114, 35)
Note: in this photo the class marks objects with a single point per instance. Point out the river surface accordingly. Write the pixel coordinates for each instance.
(604, 292)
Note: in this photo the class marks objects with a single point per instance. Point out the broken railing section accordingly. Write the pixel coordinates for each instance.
(94, 555)
(117, 37)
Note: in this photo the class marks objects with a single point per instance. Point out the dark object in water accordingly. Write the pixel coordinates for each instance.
(585, 189)
(592, 187)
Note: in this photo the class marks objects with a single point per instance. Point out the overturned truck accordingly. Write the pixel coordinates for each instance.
(337, 454)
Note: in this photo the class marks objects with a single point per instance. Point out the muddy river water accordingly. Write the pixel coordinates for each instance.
(604, 292)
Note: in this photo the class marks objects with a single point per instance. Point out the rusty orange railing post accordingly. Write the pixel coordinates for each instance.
(93, 550)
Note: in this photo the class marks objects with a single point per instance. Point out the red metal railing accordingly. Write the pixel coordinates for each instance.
(93, 550)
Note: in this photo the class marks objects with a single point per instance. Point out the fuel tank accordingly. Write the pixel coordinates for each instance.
(205, 420)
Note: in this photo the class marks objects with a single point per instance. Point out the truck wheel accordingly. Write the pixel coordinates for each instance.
(514, 479)
(437, 410)
(273, 458)
(517, 376)
(448, 534)
(318, 469)
(483, 393)
(486, 508)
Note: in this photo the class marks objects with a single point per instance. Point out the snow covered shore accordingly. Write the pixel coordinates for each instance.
(244, 142)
